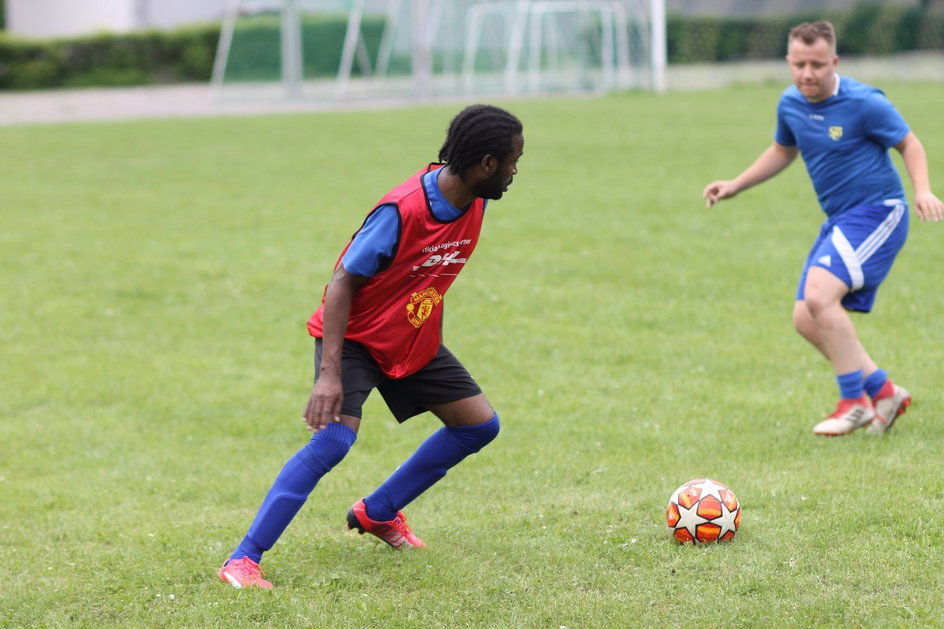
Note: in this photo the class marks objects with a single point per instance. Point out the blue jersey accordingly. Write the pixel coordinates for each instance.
(375, 242)
(844, 141)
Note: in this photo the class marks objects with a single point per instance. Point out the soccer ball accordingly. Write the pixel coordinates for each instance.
(703, 511)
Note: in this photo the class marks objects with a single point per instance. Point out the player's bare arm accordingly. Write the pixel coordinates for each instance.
(927, 206)
(771, 162)
(324, 404)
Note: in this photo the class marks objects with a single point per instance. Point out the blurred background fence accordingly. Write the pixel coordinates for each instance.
(713, 43)
(697, 32)
(704, 30)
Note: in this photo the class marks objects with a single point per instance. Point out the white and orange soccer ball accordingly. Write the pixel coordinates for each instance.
(703, 511)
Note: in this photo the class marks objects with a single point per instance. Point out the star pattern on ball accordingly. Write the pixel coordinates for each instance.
(710, 488)
(689, 519)
(703, 511)
(727, 520)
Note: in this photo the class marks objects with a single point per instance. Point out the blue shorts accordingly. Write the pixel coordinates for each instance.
(859, 246)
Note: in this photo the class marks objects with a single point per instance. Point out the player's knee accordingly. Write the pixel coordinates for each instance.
(490, 430)
(474, 438)
(798, 324)
(330, 445)
(817, 303)
(823, 292)
(802, 320)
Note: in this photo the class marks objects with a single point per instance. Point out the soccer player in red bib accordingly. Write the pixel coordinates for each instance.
(379, 327)
(844, 129)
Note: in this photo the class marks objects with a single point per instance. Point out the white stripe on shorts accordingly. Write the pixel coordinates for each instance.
(855, 258)
(849, 257)
(881, 234)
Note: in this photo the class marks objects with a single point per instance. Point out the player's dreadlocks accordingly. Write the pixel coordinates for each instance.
(477, 131)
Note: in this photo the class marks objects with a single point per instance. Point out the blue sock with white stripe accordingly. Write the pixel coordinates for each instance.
(851, 385)
(292, 486)
(441, 451)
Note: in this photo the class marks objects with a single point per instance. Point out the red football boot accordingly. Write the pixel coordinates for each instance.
(395, 532)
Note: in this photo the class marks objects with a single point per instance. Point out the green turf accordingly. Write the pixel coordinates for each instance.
(155, 281)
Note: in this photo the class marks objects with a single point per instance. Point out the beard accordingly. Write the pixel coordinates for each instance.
(492, 188)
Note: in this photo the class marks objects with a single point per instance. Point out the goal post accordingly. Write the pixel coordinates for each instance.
(658, 46)
(427, 49)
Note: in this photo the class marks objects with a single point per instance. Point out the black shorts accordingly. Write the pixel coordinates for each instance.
(442, 380)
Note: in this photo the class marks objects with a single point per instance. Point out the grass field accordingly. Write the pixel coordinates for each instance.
(156, 278)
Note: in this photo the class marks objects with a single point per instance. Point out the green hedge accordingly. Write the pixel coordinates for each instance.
(868, 29)
(180, 55)
(107, 60)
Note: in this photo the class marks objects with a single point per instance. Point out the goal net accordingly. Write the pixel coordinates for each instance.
(433, 49)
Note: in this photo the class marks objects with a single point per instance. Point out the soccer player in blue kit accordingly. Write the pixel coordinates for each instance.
(843, 129)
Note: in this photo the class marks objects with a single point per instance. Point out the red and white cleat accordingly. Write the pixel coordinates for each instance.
(243, 573)
(848, 416)
(395, 532)
(889, 403)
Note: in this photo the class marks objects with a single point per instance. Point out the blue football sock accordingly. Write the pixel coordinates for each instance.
(441, 451)
(850, 384)
(292, 486)
(875, 381)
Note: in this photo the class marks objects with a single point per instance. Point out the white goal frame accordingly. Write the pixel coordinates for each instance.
(531, 41)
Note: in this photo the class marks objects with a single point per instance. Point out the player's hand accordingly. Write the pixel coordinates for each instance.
(324, 404)
(928, 207)
(717, 190)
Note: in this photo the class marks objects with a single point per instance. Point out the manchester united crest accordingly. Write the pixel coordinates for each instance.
(421, 305)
